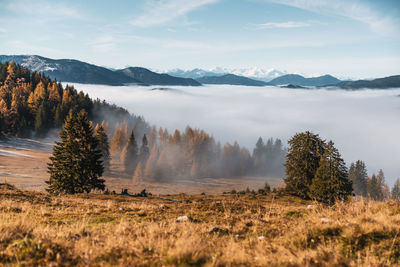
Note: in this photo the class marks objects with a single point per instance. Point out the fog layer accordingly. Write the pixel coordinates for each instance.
(363, 124)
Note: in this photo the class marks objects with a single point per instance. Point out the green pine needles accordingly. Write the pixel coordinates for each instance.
(315, 170)
(76, 163)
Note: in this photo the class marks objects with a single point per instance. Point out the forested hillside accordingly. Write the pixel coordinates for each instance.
(32, 104)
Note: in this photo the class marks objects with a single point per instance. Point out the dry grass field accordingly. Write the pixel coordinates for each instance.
(219, 230)
(23, 163)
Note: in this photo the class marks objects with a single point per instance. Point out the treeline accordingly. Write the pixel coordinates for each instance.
(192, 153)
(31, 103)
(373, 186)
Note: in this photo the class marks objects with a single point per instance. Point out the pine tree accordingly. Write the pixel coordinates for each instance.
(144, 152)
(302, 162)
(129, 155)
(138, 174)
(396, 190)
(75, 165)
(41, 120)
(373, 187)
(358, 175)
(380, 185)
(331, 178)
(104, 147)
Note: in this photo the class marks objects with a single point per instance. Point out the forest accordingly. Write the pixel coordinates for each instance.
(32, 104)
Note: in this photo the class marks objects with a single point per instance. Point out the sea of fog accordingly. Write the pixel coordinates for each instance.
(363, 124)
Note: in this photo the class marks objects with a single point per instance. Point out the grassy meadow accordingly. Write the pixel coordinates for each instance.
(194, 230)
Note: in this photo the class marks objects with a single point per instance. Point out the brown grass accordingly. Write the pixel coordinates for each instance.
(222, 230)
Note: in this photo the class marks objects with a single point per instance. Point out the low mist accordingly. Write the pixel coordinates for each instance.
(364, 124)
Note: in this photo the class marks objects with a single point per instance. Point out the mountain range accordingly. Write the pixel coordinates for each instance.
(296, 79)
(231, 79)
(75, 71)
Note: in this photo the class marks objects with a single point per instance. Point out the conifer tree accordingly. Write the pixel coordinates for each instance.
(358, 175)
(41, 124)
(104, 147)
(380, 185)
(129, 155)
(331, 178)
(76, 165)
(373, 187)
(144, 152)
(302, 162)
(396, 190)
(138, 174)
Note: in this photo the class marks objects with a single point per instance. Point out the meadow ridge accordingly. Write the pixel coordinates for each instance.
(192, 230)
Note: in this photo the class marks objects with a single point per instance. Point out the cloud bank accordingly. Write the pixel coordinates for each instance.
(363, 124)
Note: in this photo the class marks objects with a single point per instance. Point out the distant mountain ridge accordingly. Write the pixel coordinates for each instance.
(150, 77)
(230, 79)
(380, 83)
(69, 70)
(255, 73)
(75, 71)
(299, 80)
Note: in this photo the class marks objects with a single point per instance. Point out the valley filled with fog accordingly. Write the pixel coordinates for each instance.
(364, 124)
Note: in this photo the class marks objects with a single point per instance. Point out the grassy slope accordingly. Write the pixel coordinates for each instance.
(95, 229)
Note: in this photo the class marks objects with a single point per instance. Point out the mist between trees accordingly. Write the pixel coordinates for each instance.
(194, 153)
(32, 104)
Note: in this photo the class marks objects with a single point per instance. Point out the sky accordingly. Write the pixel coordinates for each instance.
(345, 38)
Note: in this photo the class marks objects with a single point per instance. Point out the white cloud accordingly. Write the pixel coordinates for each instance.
(355, 10)
(45, 10)
(2, 30)
(287, 24)
(103, 43)
(160, 12)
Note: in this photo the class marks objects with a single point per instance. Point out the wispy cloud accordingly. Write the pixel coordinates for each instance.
(160, 12)
(355, 10)
(103, 43)
(44, 9)
(2, 30)
(287, 25)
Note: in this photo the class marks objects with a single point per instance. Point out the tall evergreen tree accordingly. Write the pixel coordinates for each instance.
(41, 125)
(130, 155)
(373, 187)
(104, 147)
(396, 190)
(381, 185)
(358, 175)
(144, 152)
(331, 178)
(76, 165)
(302, 162)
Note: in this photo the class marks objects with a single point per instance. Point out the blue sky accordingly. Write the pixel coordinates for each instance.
(346, 38)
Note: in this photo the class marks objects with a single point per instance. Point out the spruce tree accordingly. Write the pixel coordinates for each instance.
(75, 165)
(104, 147)
(302, 162)
(144, 152)
(396, 190)
(358, 175)
(130, 155)
(373, 187)
(331, 178)
(41, 120)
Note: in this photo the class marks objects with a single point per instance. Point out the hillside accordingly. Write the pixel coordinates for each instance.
(180, 230)
(230, 79)
(69, 70)
(381, 83)
(154, 78)
(296, 79)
